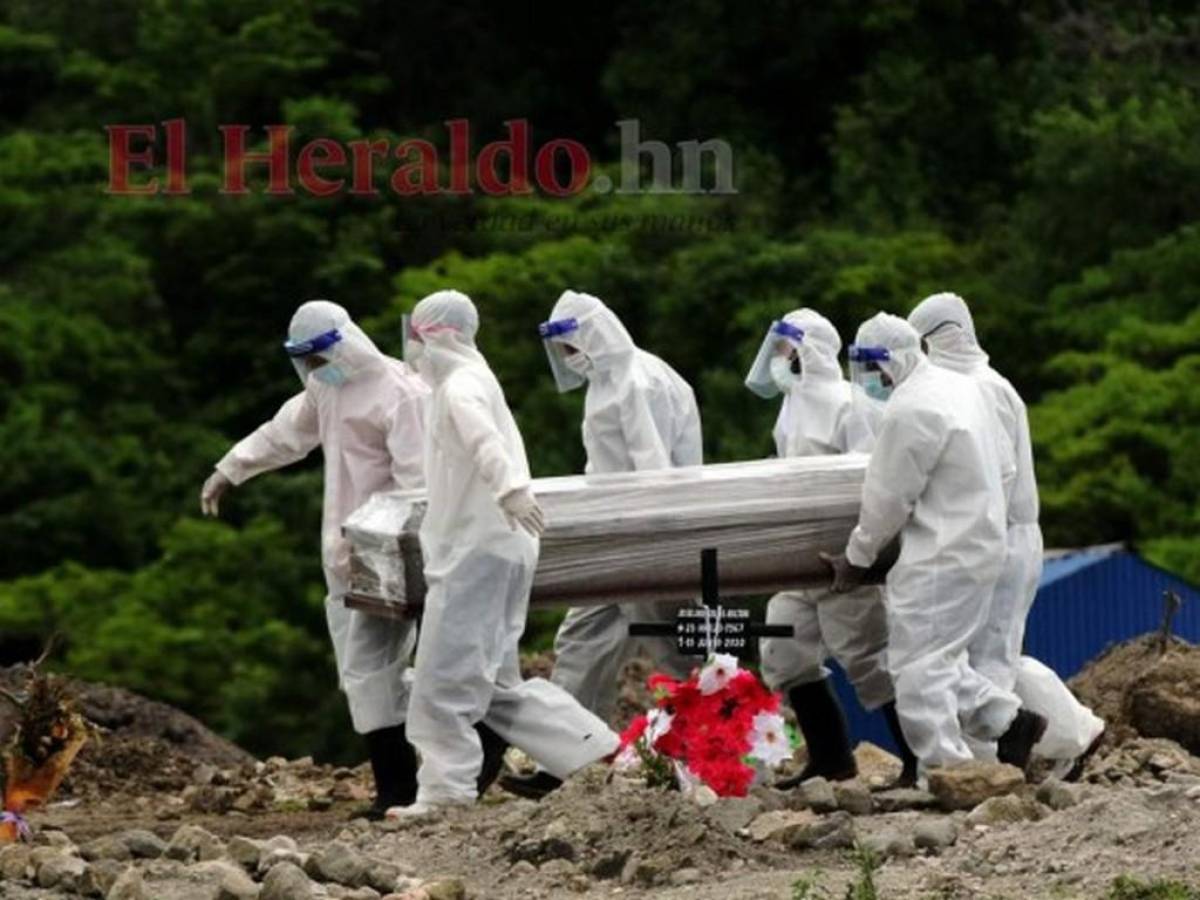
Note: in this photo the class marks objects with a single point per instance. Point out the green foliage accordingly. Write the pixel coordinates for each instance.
(1126, 887)
(1036, 160)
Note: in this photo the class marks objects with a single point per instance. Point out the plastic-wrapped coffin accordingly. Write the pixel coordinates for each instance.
(639, 535)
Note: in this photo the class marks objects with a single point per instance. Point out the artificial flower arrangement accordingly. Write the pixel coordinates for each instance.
(47, 734)
(720, 729)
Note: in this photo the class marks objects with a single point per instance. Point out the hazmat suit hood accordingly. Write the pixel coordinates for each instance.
(815, 408)
(446, 322)
(600, 334)
(899, 339)
(319, 321)
(944, 322)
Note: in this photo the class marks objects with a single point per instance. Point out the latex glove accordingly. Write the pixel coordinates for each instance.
(521, 509)
(846, 576)
(210, 495)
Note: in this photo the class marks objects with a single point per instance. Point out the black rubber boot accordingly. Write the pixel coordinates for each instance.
(531, 787)
(394, 765)
(823, 724)
(1081, 763)
(908, 776)
(1016, 745)
(494, 748)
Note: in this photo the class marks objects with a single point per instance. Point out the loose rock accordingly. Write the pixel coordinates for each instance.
(1007, 810)
(62, 871)
(876, 767)
(286, 881)
(854, 797)
(831, 832)
(733, 813)
(1057, 795)
(191, 842)
(129, 886)
(781, 826)
(99, 878)
(108, 847)
(891, 842)
(966, 785)
(903, 799)
(447, 889)
(935, 834)
(815, 794)
(144, 844)
(338, 863)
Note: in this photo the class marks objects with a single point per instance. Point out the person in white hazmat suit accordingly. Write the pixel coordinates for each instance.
(639, 414)
(934, 478)
(947, 329)
(366, 412)
(799, 359)
(479, 539)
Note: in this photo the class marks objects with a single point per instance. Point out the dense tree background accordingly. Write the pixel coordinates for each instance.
(1040, 158)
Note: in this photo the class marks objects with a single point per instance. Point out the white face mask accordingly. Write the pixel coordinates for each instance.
(578, 363)
(782, 374)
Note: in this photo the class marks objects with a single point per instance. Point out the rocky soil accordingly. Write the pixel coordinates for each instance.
(149, 817)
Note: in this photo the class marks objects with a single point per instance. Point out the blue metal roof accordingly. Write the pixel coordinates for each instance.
(1087, 600)
(1060, 564)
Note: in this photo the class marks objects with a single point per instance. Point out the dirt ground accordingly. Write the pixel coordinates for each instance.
(1137, 812)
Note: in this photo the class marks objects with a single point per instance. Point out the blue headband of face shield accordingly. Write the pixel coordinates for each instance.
(313, 344)
(557, 329)
(868, 354)
(787, 330)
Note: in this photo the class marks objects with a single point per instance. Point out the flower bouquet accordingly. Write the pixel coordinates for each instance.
(49, 731)
(720, 729)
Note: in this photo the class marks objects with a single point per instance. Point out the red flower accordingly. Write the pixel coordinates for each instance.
(634, 732)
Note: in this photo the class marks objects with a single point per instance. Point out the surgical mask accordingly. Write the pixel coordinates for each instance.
(578, 363)
(782, 374)
(331, 374)
(872, 383)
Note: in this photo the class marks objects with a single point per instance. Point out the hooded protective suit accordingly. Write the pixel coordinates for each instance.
(944, 321)
(935, 478)
(479, 571)
(371, 430)
(639, 414)
(818, 417)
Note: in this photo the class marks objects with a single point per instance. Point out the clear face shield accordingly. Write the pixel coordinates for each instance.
(777, 365)
(315, 356)
(867, 374)
(568, 363)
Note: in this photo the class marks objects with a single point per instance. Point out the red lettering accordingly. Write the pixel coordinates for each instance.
(425, 168)
(236, 159)
(321, 152)
(363, 166)
(517, 150)
(577, 157)
(460, 156)
(121, 156)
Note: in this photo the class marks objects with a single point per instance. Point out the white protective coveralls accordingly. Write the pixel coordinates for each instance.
(946, 324)
(818, 417)
(371, 431)
(479, 571)
(639, 414)
(935, 478)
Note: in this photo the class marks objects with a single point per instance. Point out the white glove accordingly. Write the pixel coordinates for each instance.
(210, 495)
(520, 508)
(846, 575)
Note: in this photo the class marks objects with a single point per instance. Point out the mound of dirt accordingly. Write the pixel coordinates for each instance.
(1141, 691)
(146, 746)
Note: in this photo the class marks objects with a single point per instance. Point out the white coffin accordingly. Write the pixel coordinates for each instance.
(639, 535)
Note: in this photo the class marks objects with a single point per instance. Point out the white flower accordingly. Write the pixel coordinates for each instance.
(770, 744)
(692, 787)
(627, 760)
(718, 672)
(658, 723)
